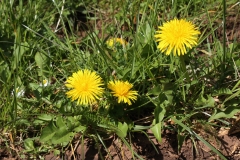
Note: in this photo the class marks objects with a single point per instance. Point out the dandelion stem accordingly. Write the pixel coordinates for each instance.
(224, 36)
(183, 68)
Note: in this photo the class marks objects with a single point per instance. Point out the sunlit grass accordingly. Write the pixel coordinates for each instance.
(44, 100)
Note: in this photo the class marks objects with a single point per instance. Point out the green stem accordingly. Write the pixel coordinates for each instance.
(224, 36)
(183, 68)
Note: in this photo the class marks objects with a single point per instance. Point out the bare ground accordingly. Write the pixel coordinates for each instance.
(229, 146)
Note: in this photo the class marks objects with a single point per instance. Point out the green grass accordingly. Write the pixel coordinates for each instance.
(42, 118)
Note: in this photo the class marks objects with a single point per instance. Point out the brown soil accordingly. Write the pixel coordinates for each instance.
(166, 150)
(146, 148)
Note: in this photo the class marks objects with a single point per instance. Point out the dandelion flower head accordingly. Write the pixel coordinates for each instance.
(85, 87)
(122, 90)
(175, 35)
(115, 41)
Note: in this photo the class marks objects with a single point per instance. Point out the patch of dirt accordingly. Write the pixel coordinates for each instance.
(150, 149)
(232, 26)
(146, 148)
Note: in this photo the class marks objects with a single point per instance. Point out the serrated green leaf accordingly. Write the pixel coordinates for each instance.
(148, 32)
(74, 124)
(162, 97)
(41, 60)
(80, 129)
(56, 152)
(204, 103)
(155, 91)
(122, 129)
(48, 132)
(159, 113)
(58, 132)
(157, 129)
(229, 112)
(34, 86)
(60, 123)
(62, 136)
(223, 91)
(236, 94)
(45, 117)
(29, 145)
(38, 122)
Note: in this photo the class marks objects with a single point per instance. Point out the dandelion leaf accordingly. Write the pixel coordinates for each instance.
(229, 112)
(157, 129)
(122, 129)
(48, 132)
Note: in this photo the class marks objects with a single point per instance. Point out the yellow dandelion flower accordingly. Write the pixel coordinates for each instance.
(175, 35)
(122, 90)
(115, 41)
(86, 87)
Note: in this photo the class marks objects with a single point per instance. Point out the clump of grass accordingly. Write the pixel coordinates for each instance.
(114, 72)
